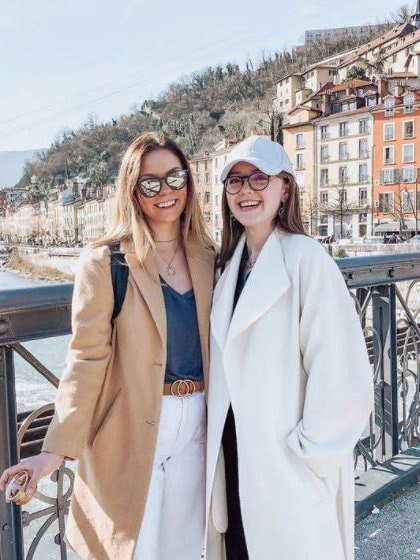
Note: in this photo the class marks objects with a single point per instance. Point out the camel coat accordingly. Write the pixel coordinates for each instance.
(293, 364)
(109, 400)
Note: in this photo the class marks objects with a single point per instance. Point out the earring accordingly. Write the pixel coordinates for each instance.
(282, 210)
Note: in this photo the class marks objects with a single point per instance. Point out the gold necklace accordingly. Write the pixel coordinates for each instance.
(170, 269)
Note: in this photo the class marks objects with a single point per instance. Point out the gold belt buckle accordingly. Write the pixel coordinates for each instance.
(177, 388)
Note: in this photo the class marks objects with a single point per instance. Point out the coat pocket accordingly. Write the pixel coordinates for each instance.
(316, 486)
(106, 416)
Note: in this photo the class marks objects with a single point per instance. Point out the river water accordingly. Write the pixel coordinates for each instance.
(32, 390)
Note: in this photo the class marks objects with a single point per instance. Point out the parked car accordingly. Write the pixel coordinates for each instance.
(393, 238)
(414, 239)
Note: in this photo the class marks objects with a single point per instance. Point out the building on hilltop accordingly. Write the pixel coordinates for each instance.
(333, 34)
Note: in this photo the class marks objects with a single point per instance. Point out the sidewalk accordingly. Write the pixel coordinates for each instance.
(394, 532)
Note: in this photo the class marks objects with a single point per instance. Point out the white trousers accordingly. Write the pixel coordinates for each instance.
(173, 522)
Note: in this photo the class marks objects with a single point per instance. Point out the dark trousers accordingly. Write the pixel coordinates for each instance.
(235, 536)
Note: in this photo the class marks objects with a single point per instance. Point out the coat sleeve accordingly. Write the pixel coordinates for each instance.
(339, 389)
(87, 358)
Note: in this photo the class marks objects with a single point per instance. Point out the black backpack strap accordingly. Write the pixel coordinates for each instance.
(119, 277)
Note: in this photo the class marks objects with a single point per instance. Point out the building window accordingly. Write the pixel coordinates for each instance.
(389, 107)
(343, 129)
(324, 198)
(206, 197)
(299, 161)
(324, 153)
(300, 141)
(408, 129)
(389, 155)
(205, 165)
(409, 103)
(408, 153)
(364, 126)
(407, 203)
(386, 202)
(362, 197)
(324, 177)
(207, 175)
(363, 148)
(342, 175)
(342, 151)
(387, 176)
(325, 132)
(342, 196)
(389, 133)
(362, 218)
(323, 219)
(408, 174)
(363, 173)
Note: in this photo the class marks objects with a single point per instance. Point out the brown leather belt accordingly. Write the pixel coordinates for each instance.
(183, 388)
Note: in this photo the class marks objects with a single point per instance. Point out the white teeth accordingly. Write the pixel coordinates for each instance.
(247, 203)
(166, 204)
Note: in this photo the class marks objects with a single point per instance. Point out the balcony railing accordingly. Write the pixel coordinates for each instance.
(386, 292)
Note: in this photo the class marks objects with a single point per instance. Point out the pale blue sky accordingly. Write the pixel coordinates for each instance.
(64, 59)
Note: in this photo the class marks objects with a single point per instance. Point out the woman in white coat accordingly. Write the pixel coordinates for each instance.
(290, 382)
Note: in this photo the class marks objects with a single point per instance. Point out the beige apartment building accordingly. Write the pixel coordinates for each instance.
(202, 170)
(299, 143)
(219, 157)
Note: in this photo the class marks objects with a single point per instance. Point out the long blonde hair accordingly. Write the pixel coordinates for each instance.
(288, 219)
(128, 220)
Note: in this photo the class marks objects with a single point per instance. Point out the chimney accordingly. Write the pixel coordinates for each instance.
(382, 87)
(398, 90)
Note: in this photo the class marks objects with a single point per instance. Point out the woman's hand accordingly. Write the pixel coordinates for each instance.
(37, 467)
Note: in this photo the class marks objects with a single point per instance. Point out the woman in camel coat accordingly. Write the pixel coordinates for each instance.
(130, 406)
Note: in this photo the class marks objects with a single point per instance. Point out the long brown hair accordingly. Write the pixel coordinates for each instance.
(288, 219)
(128, 219)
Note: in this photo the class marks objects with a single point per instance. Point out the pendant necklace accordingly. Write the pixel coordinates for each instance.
(250, 262)
(170, 269)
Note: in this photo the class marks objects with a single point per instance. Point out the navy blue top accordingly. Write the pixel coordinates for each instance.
(183, 338)
(242, 276)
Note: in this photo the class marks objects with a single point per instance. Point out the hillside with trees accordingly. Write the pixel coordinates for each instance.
(220, 101)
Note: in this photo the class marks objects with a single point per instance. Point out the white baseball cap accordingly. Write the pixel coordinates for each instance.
(267, 156)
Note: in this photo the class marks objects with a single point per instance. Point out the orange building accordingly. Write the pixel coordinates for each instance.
(396, 150)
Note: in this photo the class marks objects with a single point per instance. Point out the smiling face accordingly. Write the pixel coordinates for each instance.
(256, 210)
(168, 205)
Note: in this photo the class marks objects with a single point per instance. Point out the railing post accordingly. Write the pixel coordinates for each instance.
(11, 542)
(385, 356)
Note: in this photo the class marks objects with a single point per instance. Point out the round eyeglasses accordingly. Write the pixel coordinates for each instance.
(258, 181)
(151, 186)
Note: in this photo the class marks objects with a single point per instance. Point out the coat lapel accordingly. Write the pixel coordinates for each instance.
(223, 297)
(267, 282)
(201, 265)
(147, 280)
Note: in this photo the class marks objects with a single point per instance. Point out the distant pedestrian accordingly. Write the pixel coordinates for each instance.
(290, 386)
(130, 406)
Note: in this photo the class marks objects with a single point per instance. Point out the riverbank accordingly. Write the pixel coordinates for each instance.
(37, 273)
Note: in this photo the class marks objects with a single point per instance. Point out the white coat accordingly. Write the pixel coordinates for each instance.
(292, 362)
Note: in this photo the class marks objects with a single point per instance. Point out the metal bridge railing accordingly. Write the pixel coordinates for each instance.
(386, 290)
